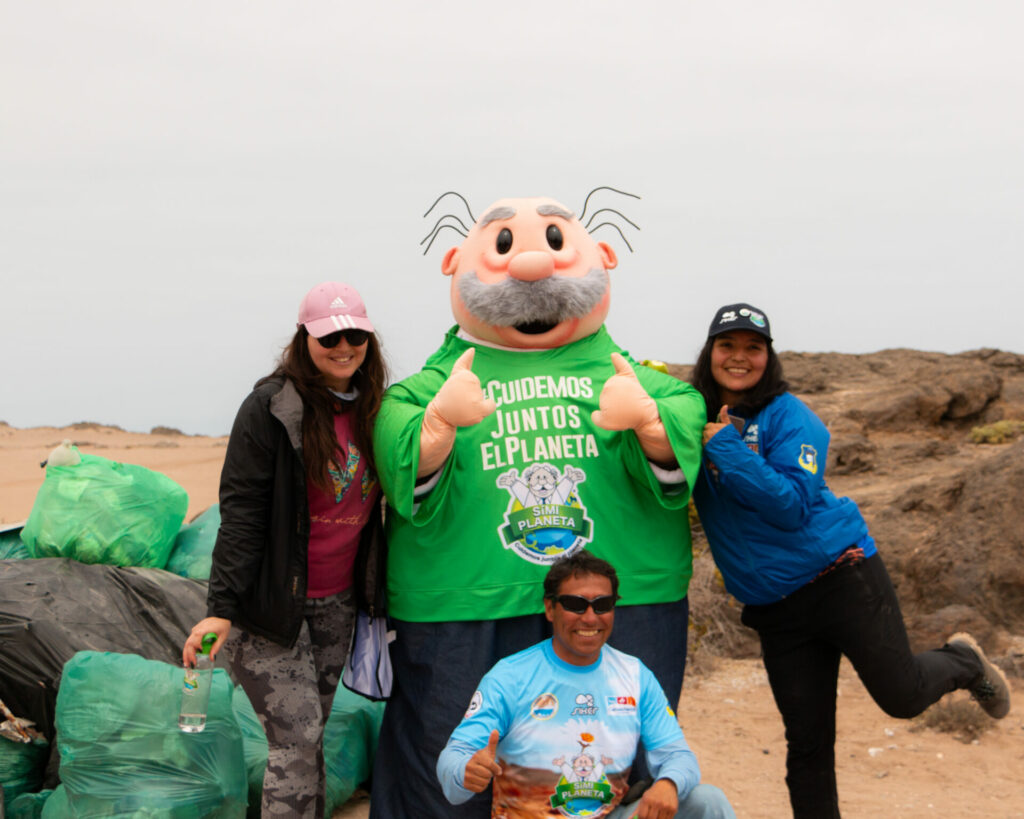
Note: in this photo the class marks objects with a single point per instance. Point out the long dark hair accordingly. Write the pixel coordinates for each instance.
(319, 443)
(771, 384)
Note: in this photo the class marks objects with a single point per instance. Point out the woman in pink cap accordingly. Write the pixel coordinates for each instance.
(297, 494)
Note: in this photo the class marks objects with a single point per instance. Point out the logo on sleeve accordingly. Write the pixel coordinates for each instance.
(475, 704)
(809, 458)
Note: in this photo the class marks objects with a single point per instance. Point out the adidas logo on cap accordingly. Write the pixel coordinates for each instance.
(338, 302)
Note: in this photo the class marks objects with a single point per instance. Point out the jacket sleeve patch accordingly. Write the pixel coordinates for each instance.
(809, 458)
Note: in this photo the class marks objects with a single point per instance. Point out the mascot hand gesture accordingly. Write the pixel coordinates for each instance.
(460, 402)
(625, 404)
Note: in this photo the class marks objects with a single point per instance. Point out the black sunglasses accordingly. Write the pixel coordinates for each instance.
(355, 338)
(578, 605)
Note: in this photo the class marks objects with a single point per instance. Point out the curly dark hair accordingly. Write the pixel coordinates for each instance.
(769, 386)
(578, 564)
(319, 444)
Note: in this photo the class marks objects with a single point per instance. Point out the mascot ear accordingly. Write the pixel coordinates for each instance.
(450, 262)
(608, 256)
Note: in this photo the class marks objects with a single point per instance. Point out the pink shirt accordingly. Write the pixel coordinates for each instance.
(336, 517)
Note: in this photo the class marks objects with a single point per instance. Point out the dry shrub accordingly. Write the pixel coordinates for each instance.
(165, 431)
(715, 628)
(959, 716)
(999, 432)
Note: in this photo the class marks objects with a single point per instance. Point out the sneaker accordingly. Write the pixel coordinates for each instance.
(991, 689)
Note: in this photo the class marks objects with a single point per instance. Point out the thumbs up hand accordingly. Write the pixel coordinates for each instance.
(625, 404)
(711, 429)
(481, 767)
(461, 402)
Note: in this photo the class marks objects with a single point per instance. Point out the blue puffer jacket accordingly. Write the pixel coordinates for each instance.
(772, 523)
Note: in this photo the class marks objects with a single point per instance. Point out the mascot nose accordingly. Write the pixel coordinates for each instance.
(531, 265)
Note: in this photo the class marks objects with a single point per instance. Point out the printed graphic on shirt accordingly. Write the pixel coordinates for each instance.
(584, 706)
(809, 458)
(582, 789)
(538, 418)
(544, 707)
(545, 519)
(342, 478)
(621, 705)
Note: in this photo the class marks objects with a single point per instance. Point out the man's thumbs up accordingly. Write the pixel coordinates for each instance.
(481, 767)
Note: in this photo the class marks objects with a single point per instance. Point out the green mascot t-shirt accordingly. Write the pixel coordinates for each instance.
(534, 481)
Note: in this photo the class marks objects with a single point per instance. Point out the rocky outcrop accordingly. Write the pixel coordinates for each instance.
(947, 514)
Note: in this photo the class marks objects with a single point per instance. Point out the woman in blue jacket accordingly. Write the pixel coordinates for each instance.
(803, 564)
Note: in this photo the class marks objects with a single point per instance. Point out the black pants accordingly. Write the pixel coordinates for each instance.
(853, 611)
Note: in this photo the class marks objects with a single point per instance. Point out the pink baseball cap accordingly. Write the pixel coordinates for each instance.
(333, 306)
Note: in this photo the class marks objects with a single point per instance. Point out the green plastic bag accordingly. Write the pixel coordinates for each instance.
(350, 744)
(22, 766)
(192, 554)
(28, 805)
(11, 546)
(102, 511)
(122, 754)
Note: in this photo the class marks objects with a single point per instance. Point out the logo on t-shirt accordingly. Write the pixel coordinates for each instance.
(544, 707)
(582, 789)
(342, 478)
(621, 705)
(545, 519)
(584, 706)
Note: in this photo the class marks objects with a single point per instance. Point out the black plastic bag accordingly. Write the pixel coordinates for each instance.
(51, 608)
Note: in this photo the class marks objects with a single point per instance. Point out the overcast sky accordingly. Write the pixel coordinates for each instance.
(175, 175)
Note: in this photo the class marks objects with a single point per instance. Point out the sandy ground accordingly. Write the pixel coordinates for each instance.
(192, 461)
(884, 768)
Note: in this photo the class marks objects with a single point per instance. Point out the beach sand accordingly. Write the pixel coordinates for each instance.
(885, 768)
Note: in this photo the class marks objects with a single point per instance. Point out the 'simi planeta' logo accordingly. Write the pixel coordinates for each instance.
(545, 519)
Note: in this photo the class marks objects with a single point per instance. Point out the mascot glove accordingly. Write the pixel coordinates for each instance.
(625, 404)
(460, 402)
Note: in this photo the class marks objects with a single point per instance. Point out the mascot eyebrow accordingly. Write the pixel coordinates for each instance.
(460, 227)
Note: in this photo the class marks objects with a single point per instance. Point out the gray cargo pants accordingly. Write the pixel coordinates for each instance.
(291, 690)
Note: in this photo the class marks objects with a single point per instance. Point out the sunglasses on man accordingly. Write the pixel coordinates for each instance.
(575, 604)
(355, 338)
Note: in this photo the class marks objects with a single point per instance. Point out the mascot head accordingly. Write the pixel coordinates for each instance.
(529, 276)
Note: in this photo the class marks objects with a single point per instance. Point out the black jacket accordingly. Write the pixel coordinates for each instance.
(260, 567)
(258, 577)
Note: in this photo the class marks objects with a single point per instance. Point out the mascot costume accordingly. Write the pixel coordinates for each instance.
(527, 436)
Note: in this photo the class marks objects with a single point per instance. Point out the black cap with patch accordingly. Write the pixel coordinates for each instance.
(740, 317)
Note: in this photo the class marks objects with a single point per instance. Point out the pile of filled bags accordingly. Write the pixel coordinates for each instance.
(97, 595)
(95, 510)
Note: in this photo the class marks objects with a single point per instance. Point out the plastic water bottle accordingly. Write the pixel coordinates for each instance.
(195, 693)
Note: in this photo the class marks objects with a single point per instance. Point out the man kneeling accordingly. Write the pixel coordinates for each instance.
(556, 726)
